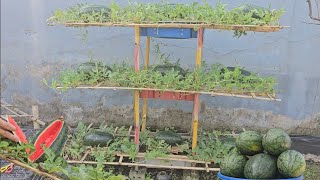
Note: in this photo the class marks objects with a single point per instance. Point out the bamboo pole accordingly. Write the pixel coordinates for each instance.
(255, 28)
(267, 98)
(136, 92)
(41, 173)
(196, 102)
(144, 108)
(147, 165)
(35, 113)
(169, 158)
(18, 113)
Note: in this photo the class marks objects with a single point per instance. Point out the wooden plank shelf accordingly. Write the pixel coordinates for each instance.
(267, 96)
(255, 28)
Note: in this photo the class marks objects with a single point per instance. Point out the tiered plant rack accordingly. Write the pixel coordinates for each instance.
(173, 30)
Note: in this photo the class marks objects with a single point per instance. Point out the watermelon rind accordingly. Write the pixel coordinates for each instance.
(261, 166)
(291, 164)
(58, 143)
(233, 165)
(276, 141)
(249, 143)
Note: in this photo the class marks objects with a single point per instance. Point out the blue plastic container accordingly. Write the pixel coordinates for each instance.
(223, 177)
(173, 33)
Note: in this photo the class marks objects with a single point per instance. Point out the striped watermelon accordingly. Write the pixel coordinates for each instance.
(261, 166)
(53, 136)
(233, 165)
(276, 141)
(291, 164)
(249, 143)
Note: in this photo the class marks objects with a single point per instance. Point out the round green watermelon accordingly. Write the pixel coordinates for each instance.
(291, 164)
(249, 143)
(261, 166)
(233, 165)
(276, 141)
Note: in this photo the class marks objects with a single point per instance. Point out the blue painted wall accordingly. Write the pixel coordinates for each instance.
(31, 50)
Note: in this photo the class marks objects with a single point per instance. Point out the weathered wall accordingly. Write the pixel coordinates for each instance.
(31, 51)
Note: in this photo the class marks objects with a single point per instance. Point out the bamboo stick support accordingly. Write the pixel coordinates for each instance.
(212, 93)
(18, 113)
(196, 102)
(144, 107)
(35, 113)
(148, 165)
(41, 173)
(170, 158)
(136, 93)
(255, 28)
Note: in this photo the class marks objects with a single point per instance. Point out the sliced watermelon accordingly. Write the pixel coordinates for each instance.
(18, 132)
(52, 136)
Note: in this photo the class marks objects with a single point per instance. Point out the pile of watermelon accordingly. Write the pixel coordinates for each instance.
(263, 157)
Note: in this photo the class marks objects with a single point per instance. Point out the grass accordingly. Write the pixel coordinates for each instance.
(166, 76)
(164, 12)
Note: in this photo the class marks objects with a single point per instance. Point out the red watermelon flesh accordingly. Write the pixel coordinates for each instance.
(46, 138)
(18, 132)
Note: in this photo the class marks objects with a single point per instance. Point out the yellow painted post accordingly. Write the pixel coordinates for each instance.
(196, 96)
(136, 93)
(144, 108)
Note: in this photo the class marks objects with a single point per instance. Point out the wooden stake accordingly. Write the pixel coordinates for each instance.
(35, 113)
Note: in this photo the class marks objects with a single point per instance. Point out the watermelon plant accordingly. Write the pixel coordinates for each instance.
(211, 148)
(261, 166)
(152, 13)
(216, 78)
(74, 146)
(276, 141)
(291, 164)
(249, 143)
(94, 72)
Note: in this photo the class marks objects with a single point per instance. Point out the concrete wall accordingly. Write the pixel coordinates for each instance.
(31, 51)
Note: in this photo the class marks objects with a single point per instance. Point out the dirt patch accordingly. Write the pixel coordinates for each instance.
(312, 157)
(313, 171)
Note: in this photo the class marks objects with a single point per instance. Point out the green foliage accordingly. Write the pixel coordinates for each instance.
(74, 149)
(210, 147)
(195, 13)
(53, 163)
(216, 78)
(15, 150)
(154, 148)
